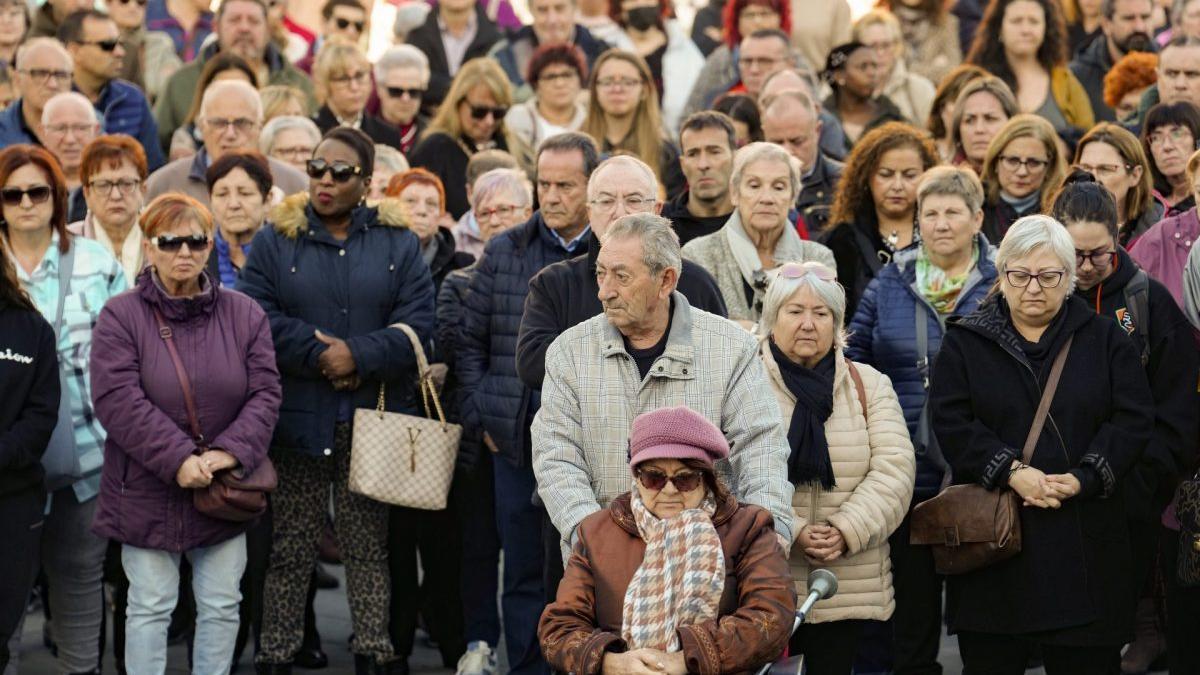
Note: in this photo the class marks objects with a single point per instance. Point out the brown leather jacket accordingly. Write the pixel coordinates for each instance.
(756, 611)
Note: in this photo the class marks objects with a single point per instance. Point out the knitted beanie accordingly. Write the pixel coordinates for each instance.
(677, 433)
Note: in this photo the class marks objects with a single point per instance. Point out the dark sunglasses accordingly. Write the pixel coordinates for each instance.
(482, 111)
(141, 3)
(684, 481)
(14, 196)
(343, 24)
(171, 243)
(106, 45)
(397, 92)
(341, 172)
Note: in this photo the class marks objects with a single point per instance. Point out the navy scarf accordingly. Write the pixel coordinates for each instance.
(808, 462)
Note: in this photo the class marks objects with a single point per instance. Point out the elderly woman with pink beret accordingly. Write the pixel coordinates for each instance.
(675, 574)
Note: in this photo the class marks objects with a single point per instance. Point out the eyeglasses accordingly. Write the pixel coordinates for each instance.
(618, 83)
(795, 270)
(77, 129)
(632, 203)
(106, 45)
(757, 14)
(684, 481)
(44, 75)
(343, 24)
(361, 77)
(1047, 279)
(123, 185)
(1174, 135)
(1100, 260)
(341, 172)
(499, 211)
(400, 92)
(562, 75)
(480, 112)
(38, 194)
(1104, 170)
(172, 243)
(757, 61)
(293, 153)
(1031, 164)
(141, 3)
(243, 125)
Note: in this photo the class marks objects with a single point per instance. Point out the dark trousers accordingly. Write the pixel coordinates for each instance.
(523, 598)
(828, 648)
(989, 654)
(435, 535)
(1183, 611)
(21, 521)
(552, 572)
(476, 505)
(917, 621)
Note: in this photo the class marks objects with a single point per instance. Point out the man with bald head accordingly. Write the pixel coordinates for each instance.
(43, 69)
(230, 118)
(833, 138)
(69, 123)
(789, 119)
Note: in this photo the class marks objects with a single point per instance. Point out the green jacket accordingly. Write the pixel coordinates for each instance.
(175, 100)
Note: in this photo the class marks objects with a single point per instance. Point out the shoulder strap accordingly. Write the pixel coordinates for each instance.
(424, 376)
(858, 386)
(66, 269)
(1137, 302)
(1043, 410)
(866, 249)
(921, 323)
(164, 331)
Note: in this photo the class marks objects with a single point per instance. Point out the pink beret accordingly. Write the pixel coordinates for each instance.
(675, 433)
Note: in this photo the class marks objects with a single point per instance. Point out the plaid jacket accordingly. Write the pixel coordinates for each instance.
(593, 391)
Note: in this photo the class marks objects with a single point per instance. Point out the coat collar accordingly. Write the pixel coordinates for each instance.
(621, 511)
(294, 214)
(150, 289)
(680, 350)
(992, 322)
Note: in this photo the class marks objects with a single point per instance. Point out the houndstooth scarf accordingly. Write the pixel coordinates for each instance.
(680, 580)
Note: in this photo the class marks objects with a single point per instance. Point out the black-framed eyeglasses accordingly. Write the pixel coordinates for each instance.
(343, 24)
(141, 3)
(411, 92)
(1031, 164)
(1100, 259)
(44, 75)
(341, 172)
(684, 481)
(172, 243)
(1047, 279)
(480, 112)
(38, 194)
(123, 185)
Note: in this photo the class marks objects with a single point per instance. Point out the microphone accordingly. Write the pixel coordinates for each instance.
(822, 585)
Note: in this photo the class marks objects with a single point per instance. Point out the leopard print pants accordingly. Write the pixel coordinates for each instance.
(299, 505)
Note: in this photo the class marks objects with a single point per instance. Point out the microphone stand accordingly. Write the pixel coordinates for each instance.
(822, 584)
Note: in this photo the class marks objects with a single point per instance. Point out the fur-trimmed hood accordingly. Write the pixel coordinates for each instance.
(292, 215)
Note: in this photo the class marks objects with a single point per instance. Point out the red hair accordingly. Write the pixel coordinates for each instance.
(110, 150)
(170, 208)
(417, 176)
(1135, 70)
(16, 156)
(733, 8)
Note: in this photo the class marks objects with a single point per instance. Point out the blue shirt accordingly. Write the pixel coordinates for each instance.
(228, 273)
(123, 109)
(570, 246)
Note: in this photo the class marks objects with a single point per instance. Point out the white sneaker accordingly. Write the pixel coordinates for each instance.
(478, 660)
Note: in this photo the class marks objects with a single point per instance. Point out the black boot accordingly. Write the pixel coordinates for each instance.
(366, 665)
(273, 669)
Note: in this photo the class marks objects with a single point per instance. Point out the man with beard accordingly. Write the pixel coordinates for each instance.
(707, 141)
(1126, 28)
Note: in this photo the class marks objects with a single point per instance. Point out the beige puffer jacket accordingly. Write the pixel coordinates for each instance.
(874, 469)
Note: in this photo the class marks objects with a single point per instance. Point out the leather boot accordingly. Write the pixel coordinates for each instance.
(1149, 642)
(273, 669)
(366, 665)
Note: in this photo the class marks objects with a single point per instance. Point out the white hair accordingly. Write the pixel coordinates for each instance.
(402, 56)
(764, 152)
(65, 98)
(832, 293)
(660, 243)
(277, 125)
(512, 182)
(625, 162)
(33, 43)
(1034, 232)
(224, 88)
(391, 158)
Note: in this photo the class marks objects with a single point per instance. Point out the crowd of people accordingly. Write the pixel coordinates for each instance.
(714, 306)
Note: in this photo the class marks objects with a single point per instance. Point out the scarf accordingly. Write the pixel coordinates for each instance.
(789, 248)
(680, 580)
(808, 462)
(1022, 204)
(938, 288)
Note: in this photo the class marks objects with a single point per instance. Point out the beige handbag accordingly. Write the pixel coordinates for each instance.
(405, 460)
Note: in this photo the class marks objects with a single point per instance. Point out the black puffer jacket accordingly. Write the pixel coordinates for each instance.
(29, 408)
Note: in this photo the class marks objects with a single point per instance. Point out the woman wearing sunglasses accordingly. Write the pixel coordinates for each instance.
(69, 279)
(1021, 170)
(221, 341)
(850, 460)
(675, 576)
(333, 274)
(948, 273)
(470, 119)
(1060, 592)
(342, 75)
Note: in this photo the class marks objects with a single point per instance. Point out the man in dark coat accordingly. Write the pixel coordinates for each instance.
(553, 24)
(455, 32)
(790, 120)
(707, 141)
(496, 406)
(1126, 28)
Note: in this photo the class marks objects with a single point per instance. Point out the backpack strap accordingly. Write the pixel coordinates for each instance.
(858, 386)
(1137, 302)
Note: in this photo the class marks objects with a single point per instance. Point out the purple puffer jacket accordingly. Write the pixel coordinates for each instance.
(225, 344)
(1163, 250)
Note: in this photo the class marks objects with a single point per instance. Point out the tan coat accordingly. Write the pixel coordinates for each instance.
(874, 470)
(817, 27)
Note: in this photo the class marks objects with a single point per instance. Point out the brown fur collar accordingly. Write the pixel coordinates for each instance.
(290, 219)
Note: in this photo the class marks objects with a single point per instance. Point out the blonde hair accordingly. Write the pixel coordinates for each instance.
(1025, 126)
(335, 58)
(277, 97)
(648, 136)
(881, 17)
(472, 74)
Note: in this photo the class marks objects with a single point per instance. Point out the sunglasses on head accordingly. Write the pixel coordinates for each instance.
(14, 196)
(480, 112)
(341, 172)
(171, 243)
(794, 270)
(343, 24)
(684, 481)
(412, 92)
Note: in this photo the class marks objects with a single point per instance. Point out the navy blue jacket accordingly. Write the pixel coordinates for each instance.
(306, 280)
(123, 109)
(12, 127)
(494, 400)
(883, 334)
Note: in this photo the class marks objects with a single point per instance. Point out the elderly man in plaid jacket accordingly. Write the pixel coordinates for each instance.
(651, 349)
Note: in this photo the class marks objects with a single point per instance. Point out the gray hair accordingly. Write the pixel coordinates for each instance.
(402, 56)
(63, 98)
(628, 162)
(660, 244)
(497, 182)
(277, 125)
(33, 43)
(222, 88)
(832, 293)
(951, 181)
(1034, 232)
(1177, 10)
(764, 152)
(391, 158)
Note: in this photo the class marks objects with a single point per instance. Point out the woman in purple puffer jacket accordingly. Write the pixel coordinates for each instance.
(151, 463)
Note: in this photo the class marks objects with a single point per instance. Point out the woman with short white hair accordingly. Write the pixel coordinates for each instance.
(290, 139)
(758, 236)
(1057, 593)
(401, 81)
(850, 460)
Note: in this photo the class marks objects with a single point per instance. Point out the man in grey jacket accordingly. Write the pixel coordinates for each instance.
(648, 350)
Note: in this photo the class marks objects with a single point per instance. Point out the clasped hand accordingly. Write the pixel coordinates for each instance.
(822, 544)
(337, 363)
(1046, 491)
(197, 470)
(641, 661)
